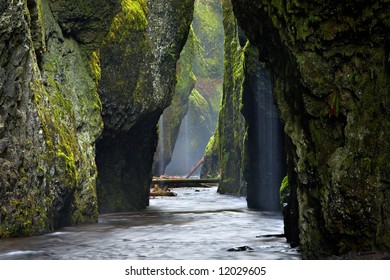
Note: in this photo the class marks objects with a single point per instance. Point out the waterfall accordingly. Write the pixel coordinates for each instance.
(266, 146)
(182, 157)
(187, 145)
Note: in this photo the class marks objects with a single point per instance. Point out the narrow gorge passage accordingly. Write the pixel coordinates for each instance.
(83, 84)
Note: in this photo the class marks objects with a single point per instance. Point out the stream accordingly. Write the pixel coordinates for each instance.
(198, 223)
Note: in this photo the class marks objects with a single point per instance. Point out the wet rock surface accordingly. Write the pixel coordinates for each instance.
(329, 64)
(50, 116)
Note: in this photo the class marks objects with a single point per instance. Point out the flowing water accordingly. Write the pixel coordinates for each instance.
(196, 224)
(182, 156)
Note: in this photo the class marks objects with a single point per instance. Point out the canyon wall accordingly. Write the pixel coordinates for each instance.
(230, 133)
(138, 68)
(50, 114)
(54, 54)
(329, 62)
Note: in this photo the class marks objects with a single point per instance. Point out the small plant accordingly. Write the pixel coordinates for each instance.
(334, 104)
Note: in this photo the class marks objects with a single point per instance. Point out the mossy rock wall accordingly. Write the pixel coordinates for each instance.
(85, 22)
(49, 117)
(230, 134)
(210, 167)
(330, 67)
(209, 71)
(207, 23)
(138, 61)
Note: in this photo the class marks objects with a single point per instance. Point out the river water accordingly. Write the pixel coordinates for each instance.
(198, 223)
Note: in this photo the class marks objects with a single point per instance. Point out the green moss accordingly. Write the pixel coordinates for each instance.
(199, 103)
(95, 65)
(54, 110)
(63, 112)
(303, 29)
(94, 60)
(200, 117)
(231, 125)
(210, 145)
(127, 41)
(278, 4)
(208, 27)
(34, 10)
(284, 190)
(36, 89)
(70, 167)
(131, 18)
(185, 77)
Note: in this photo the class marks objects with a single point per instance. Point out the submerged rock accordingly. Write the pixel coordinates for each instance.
(240, 249)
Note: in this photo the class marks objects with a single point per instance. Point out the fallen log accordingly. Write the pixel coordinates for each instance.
(185, 182)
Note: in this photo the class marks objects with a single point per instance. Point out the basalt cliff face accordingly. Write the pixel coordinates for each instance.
(230, 133)
(54, 53)
(50, 112)
(138, 62)
(329, 62)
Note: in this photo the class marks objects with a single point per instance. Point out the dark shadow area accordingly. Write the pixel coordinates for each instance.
(266, 165)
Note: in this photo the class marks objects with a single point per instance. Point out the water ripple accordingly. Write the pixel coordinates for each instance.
(192, 225)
